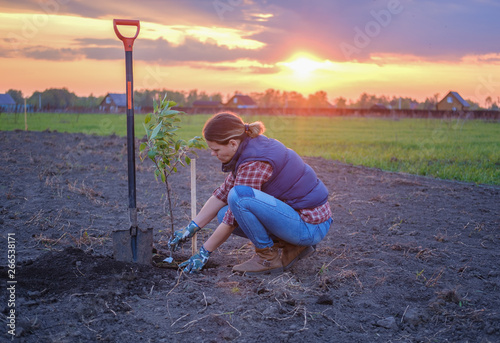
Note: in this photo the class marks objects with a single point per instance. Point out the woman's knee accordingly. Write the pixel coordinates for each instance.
(239, 192)
(222, 213)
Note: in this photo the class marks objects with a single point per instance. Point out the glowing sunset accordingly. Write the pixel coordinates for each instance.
(250, 170)
(394, 48)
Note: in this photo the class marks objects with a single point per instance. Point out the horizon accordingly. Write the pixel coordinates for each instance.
(227, 97)
(392, 48)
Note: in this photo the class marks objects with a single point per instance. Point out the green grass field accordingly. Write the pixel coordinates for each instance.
(448, 149)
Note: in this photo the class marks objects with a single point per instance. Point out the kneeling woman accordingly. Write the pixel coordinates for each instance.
(270, 196)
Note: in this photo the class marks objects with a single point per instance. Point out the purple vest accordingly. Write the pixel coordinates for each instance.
(293, 181)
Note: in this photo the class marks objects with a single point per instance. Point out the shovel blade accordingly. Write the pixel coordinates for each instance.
(123, 243)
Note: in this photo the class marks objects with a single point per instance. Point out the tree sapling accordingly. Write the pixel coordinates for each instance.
(164, 148)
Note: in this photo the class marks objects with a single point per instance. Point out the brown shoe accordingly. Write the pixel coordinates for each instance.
(292, 253)
(265, 261)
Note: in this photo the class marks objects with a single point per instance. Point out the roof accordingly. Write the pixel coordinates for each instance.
(242, 100)
(206, 103)
(120, 100)
(6, 99)
(460, 99)
(378, 106)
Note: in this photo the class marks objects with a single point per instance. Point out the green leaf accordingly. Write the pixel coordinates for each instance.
(178, 144)
(187, 159)
(163, 177)
(142, 146)
(148, 118)
(155, 131)
(152, 154)
(169, 113)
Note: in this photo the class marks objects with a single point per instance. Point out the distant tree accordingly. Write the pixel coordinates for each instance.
(216, 97)
(318, 100)
(209, 97)
(294, 99)
(341, 102)
(488, 101)
(17, 96)
(54, 98)
(269, 99)
(428, 104)
(34, 99)
(177, 96)
(406, 103)
(87, 102)
(192, 97)
(145, 97)
(366, 101)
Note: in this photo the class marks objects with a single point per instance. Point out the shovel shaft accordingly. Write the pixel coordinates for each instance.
(128, 43)
(130, 133)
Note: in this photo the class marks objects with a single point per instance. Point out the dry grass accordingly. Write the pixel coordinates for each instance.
(336, 280)
(87, 191)
(85, 241)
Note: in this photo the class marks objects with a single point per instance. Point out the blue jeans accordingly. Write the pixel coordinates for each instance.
(262, 218)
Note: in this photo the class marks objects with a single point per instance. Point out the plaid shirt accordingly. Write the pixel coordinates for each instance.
(254, 174)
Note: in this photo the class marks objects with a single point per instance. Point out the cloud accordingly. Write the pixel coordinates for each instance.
(159, 50)
(355, 30)
(334, 30)
(47, 53)
(162, 51)
(191, 12)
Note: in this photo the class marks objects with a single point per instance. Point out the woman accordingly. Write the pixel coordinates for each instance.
(270, 196)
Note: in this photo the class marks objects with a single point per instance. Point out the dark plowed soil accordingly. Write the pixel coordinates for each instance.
(408, 259)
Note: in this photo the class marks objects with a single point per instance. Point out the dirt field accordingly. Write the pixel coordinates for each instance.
(408, 259)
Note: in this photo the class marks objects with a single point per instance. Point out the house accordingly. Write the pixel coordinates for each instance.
(241, 101)
(113, 103)
(452, 102)
(378, 107)
(206, 103)
(7, 104)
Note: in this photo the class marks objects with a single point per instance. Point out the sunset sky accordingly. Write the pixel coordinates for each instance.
(383, 47)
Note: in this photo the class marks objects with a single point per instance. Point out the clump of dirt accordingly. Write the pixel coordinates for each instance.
(408, 259)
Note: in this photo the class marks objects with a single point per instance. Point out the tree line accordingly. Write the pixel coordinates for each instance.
(61, 98)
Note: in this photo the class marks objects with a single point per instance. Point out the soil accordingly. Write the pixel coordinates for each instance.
(408, 258)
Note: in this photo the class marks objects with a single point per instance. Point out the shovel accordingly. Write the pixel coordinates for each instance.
(134, 244)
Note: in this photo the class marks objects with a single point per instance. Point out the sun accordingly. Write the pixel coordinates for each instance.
(303, 65)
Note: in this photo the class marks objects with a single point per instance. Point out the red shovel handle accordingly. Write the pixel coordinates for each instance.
(128, 42)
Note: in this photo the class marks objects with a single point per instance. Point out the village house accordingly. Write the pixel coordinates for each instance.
(452, 102)
(206, 103)
(241, 101)
(113, 103)
(7, 104)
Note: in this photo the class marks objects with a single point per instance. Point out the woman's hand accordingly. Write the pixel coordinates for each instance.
(182, 235)
(196, 262)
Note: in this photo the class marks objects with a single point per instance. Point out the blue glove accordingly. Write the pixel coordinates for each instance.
(182, 235)
(196, 262)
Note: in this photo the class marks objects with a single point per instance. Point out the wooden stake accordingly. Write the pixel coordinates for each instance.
(194, 243)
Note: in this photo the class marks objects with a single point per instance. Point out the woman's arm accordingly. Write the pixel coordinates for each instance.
(220, 235)
(206, 214)
(208, 211)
